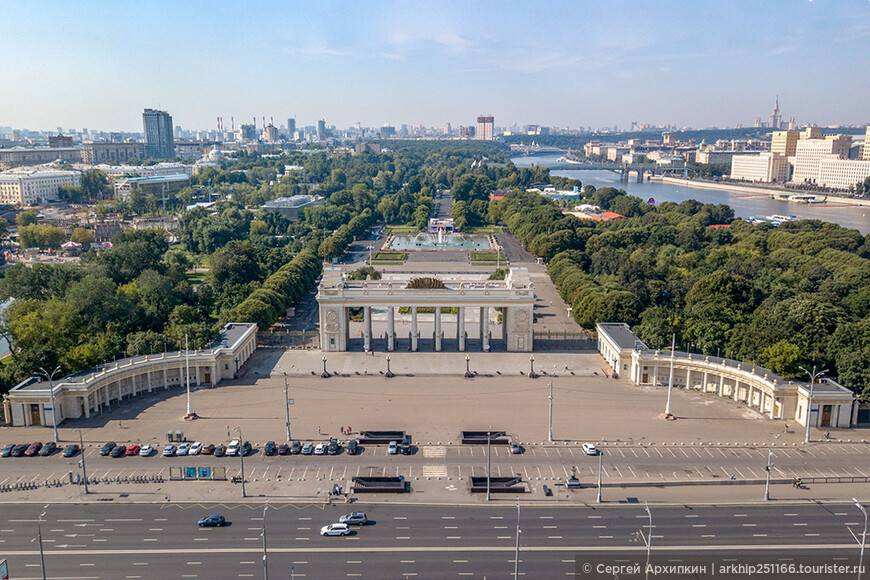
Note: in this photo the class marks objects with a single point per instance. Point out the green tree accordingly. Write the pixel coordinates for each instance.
(784, 358)
(27, 217)
(82, 236)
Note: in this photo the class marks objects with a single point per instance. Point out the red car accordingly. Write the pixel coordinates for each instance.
(133, 449)
(33, 449)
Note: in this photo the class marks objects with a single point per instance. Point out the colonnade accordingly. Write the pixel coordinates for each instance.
(438, 335)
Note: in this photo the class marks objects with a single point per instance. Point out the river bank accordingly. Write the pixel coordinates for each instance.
(755, 190)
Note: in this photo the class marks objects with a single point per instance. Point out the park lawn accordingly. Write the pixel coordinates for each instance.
(390, 256)
(486, 230)
(401, 230)
(486, 257)
(386, 263)
(195, 278)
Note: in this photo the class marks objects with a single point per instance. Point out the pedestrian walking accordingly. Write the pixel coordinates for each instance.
(342, 430)
(318, 429)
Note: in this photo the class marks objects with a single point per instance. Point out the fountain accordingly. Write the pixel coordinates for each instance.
(440, 241)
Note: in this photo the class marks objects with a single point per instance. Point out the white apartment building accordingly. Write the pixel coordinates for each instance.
(810, 152)
(765, 167)
(164, 168)
(35, 186)
(843, 174)
(714, 157)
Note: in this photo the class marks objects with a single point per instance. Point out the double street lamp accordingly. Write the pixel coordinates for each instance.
(389, 374)
(863, 537)
(468, 373)
(814, 376)
(532, 374)
(241, 457)
(324, 374)
(50, 377)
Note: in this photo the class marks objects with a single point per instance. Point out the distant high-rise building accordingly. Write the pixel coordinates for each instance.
(865, 154)
(809, 153)
(270, 133)
(159, 142)
(669, 139)
(485, 126)
(56, 141)
(775, 116)
(784, 142)
(321, 130)
(291, 127)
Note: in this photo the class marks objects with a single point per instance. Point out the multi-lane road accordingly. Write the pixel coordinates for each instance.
(402, 541)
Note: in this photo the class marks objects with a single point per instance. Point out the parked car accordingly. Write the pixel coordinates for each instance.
(212, 521)
(307, 449)
(354, 518)
(195, 448)
(18, 450)
(33, 449)
(107, 448)
(7, 450)
(220, 451)
(270, 448)
(48, 448)
(207, 449)
(134, 449)
(295, 448)
(333, 447)
(320, 449)
(146, 451)
(515, 448)
(119, 451)
(352, 447)
(233, 447)
(169, 450)
(71, 450)
(393, 448)
(183, 449)
(405, 447)
(246, 449)
(283, 449)
(335, 530)
(589, 449)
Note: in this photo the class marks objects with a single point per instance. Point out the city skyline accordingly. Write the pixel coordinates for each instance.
(563, 64)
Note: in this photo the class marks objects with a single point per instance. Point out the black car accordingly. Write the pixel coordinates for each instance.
(405, 447)
(352, 447)
(246, 448)
(71, 451)
(269, 449)
(295, 448)
(7, 450)
(220, 450)
(107, 448)
(119, 451)
(283, 449)
(18, 450)
(333, 447)
(48, 448)
(212, 521)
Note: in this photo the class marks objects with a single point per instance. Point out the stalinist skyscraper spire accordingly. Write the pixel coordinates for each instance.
(775, 116)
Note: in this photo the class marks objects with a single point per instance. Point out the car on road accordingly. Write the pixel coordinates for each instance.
(183, 449)
(48, 448)
(354, 518)
(195, 448)
(169, 450)
(7, 450)
(146, 451)
(589, 449)
(320, 449)
(119, 451)
(107, 448)
(352, 447)
(33, 449)
(233, 447)
(307, 449)
(246, 449)
(333, 447)
(134, 449)
(283, 449)
(18, 450)
(515, 448)
(335, 530)
(220, 451)
(295, 448)
(71, 450)
(393, 448)
(207, 449)
(270, 448)
(212, 521)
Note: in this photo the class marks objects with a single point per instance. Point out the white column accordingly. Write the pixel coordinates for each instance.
(721, 384)
(460, 328)
(655, 380)
(165, 380)
(391, 328)
(87, 401)
(414, 328)
(438, 328)
(367, 328)
(688, 379)
(133, 384)
(484, 328)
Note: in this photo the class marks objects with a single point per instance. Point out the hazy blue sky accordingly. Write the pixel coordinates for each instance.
(97, 64)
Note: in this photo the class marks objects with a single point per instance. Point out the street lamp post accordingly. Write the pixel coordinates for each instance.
(671, 378)
(389, 374)
(265, 562)
(50, 377)
(370, 254)
(863, 537)
(488, 459)
(813, 377)
(550, 414)
(241, 458)
(468, 374)
(649, 538)
(532, 374)
(39, 538)
(324, 374)
(767, 475)
(84, 469)
(517, 551)
(600, 465)
(287, 405)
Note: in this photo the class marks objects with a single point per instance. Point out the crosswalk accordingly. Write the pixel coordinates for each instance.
(435, 451)
(434, 471)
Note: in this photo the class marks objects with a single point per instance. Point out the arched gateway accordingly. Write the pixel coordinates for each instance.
(514, 297)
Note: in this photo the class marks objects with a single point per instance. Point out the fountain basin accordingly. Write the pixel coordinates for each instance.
(451, 241)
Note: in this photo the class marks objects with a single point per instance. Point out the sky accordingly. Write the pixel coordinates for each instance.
(698, 63)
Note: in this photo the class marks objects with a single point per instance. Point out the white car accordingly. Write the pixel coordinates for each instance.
(393, 448)
(195, 448)
(169, 451)
(233, 447)
(335, 530)
(146, 451)
(590, 449)
(320, 450)
(183, 449)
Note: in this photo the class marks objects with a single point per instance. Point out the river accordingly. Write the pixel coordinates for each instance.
(744, 206)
